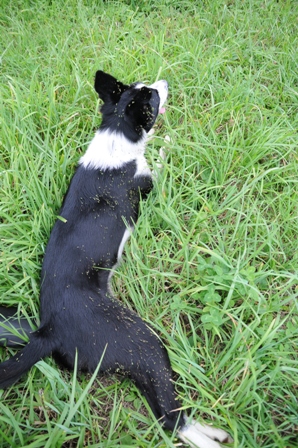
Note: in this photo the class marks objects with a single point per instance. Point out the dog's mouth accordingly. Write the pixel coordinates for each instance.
(162, 110)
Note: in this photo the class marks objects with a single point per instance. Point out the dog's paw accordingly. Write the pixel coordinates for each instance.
(214, 433)
(167, 139)
(150, 134)
(162, 152)
(203, 436)
(162, 157)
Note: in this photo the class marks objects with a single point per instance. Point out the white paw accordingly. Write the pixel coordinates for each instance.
(213, 433)
(150, 134)
(203, 436)
(162, 152)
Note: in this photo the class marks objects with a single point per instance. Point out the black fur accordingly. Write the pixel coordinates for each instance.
(77, 309)
(126, 110)
(12, 328)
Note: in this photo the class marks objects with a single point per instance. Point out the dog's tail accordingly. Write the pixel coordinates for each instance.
(14, 331)
(37, 348)
(12, 369)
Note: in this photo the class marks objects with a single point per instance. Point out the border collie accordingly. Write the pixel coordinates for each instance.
(78, 313)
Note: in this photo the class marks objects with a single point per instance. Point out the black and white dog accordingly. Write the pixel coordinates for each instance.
(78, 312)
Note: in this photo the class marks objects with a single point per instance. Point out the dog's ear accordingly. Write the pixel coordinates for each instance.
(107, 87)
(142, 110)
(144, 95)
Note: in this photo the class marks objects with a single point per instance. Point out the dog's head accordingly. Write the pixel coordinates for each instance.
(129, 109)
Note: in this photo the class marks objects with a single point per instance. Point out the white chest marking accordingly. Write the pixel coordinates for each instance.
(112, 150)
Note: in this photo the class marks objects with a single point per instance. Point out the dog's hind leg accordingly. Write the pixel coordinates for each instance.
(153, 376)
(151, 371)
(161, 397)
(158, 389)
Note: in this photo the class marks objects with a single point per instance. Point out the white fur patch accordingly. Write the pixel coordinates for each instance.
(162, 88)
(202, 436)
(125, 237)
(112, 150)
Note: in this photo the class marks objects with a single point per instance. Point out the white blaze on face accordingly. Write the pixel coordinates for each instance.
(162, 89)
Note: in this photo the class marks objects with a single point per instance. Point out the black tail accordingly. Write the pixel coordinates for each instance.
(14, 331)
(37, 348)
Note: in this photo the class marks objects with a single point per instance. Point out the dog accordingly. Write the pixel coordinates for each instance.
(78, 312)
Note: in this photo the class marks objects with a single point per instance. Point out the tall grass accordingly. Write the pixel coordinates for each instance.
(213, 264)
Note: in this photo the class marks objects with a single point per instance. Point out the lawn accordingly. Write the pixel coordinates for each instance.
(213, 263)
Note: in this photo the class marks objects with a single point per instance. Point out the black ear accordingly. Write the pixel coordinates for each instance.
(107, 87)
(142, 110)
(144, 95)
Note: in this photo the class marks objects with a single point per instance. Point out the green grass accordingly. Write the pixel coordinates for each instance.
(213, 263)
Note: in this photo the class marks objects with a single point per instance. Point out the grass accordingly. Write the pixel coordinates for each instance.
(213, 264)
